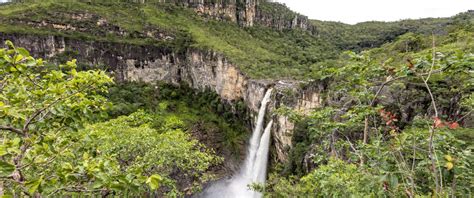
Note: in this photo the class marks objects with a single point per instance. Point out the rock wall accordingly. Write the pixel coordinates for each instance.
(280, 17)
(247, 13)
(297, 22)
(242, 12)
(202, 70)
(294, 95)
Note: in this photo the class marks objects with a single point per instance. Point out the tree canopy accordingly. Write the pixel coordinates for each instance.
(46, 150)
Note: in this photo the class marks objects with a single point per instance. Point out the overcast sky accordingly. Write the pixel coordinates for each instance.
(354, 11)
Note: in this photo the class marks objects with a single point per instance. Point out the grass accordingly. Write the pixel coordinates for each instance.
(259, 52)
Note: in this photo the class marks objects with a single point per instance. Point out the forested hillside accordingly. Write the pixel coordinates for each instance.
(158, 99)
(397, 123)
(260, 51)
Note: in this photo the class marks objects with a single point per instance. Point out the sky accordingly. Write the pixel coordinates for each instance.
(354, 11)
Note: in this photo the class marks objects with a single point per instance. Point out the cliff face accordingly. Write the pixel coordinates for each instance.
(248, 13)
(278, 16)
(239, 11)
(296, 22)
(202, 70)
(292, 95)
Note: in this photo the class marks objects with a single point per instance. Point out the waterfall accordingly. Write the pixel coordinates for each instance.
(254, 168)
(261, 160)
(255, 139)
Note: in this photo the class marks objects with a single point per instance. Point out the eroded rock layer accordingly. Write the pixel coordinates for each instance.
(201, 70)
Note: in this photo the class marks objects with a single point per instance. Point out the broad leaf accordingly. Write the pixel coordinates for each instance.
(154, 181)
(6, 169)
(34, 185)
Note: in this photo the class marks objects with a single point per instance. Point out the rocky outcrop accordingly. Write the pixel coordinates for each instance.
(201, 70)
(302, 99)
(247, 13)
(242, 12)
(297, 22)
(280, 17)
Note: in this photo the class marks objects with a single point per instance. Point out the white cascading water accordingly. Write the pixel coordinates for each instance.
(260, 165)
(254, 169)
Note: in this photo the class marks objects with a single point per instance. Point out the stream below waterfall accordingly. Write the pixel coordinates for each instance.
(254, 168)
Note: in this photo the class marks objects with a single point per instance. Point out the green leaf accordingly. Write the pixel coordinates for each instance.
(16, 141)
(117, 186)
(3, 150)
(6, 169)
(9, 44)
(23, 52)
(98, 184)
(18, 58)
(34, 185)
(154, 181)
(30, 62)
(67, 166)
(7, 58)
(393, 180)
(6, 196)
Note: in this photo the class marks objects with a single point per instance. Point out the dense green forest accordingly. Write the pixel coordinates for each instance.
(395, 121)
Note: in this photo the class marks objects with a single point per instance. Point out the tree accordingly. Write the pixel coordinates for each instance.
(126, 156)
(361, 129)
(47, 151)
(38, 101)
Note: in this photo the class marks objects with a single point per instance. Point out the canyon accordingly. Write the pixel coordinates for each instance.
(201, 70)
(231, 98)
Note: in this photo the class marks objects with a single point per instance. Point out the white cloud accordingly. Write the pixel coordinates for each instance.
(354, 11)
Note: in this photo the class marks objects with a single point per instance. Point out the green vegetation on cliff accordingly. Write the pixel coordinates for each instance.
(260, 52)
(396, 119)
(397, 122)
(202, 113)
(66, 132)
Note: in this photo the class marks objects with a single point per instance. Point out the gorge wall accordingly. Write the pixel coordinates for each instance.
(201, 70)
(247, 13)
